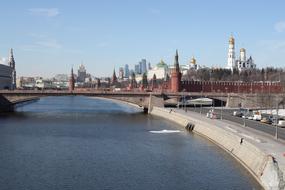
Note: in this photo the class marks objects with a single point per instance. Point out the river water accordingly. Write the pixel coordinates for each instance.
(80, 143)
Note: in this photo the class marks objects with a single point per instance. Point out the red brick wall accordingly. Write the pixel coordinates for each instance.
(231, 87)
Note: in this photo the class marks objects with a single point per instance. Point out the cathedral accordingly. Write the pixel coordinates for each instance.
(242, 63)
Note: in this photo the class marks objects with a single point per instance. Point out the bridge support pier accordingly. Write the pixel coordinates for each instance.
(5, 105)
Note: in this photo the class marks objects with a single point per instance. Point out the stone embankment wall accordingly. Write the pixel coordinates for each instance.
(262, 166)
(256, 100)
(7, 103)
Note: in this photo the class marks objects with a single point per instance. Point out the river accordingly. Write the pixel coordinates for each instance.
(81, 143)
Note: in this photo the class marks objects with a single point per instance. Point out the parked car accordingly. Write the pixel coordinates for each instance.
(256, 116)
(265, 120)
(248, 115)
(237, 113)
(243, 112)
(281, 122)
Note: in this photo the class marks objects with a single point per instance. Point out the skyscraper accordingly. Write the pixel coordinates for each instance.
(127, 71)
(137, 69)
(81, 73)
(143, 66)
(149, 66)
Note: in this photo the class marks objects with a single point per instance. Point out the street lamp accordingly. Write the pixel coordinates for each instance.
(276, 126)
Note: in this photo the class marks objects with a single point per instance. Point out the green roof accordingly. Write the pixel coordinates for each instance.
(161, 64)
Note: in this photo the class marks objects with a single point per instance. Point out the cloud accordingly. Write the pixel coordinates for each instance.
(49, 43)
(4, 60)
(273, 45)
(280, 26)
(41, 43)
(52, 12)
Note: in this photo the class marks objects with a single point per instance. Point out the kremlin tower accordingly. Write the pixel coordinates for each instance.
(114, 79)
(71, 81)
(176, 76)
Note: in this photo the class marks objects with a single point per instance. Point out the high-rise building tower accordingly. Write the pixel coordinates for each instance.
(143, 68)
(81, 73)
(71, 81)
(11, 63)
(176, 75)
(127, 71)
(231, 54)
(137, 69)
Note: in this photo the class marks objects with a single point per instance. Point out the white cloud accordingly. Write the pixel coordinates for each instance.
(280, 26)
(49, 43)
(3, 60)
(273, 45)
(52, 12)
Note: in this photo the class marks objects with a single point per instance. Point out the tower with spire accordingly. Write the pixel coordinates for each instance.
(114, 78)
(71, 81)
(11, 63)
(231, 54)
(176, 75)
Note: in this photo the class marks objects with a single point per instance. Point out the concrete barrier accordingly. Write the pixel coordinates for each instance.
(261, 165)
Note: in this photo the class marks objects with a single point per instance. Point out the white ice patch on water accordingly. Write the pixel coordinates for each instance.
(166, 131)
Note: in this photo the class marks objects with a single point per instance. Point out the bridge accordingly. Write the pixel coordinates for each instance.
(9, 98)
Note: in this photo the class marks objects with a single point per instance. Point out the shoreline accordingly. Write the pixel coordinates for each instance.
(118, 101)
(259, 163)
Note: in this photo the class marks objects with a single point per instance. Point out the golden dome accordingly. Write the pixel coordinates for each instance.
(242, 50)
(232, 40)
(193, 61)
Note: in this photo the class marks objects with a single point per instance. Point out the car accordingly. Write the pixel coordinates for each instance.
(265, 120)
(256, 116)
(238, 113)
(249, 116)
(281, 122)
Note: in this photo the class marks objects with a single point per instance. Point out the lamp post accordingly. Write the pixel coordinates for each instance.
(221, 110)
(184, 99)
(201, 101)
(277, 118)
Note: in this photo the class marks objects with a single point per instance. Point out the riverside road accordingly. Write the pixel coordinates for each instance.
(227, 115)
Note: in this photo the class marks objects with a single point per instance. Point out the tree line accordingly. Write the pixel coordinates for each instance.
(222, 74)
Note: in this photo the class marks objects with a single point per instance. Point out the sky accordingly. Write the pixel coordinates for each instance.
(49, 37)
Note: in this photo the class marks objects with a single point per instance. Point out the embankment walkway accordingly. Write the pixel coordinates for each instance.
(260, 153)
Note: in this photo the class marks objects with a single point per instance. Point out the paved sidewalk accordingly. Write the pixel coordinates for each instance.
(263, 141)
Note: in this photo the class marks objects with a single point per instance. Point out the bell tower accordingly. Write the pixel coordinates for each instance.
(231, 54)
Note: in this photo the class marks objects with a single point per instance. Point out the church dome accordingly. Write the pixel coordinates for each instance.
(193, 61)
(232, 40)
(242, 50)
(161, 64)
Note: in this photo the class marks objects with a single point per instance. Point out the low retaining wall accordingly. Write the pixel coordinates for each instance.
(262, 166)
